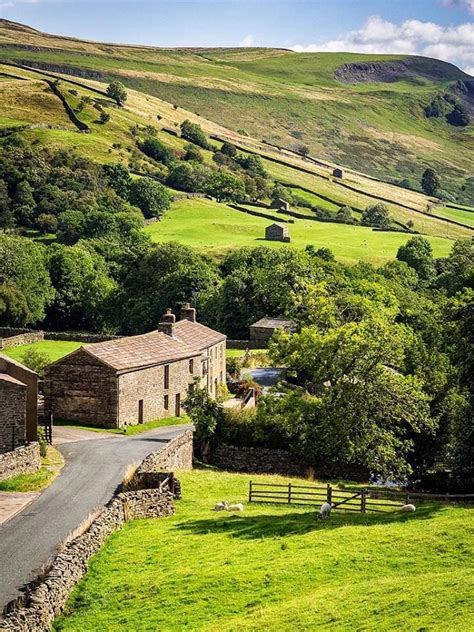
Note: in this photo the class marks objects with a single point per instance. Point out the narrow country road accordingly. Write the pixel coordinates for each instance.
(92, 472)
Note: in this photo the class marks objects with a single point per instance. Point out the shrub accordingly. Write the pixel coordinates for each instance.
(116, 91)
(154, 148)
(376, 215)
(46, 223)
(35, 360)
(43, 444)
(150, 196)
(193, 132)
(104, 117)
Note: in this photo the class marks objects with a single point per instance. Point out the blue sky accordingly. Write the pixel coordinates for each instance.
(439, 28)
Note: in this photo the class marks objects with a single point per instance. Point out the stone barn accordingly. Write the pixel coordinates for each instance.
(277, 232)
(338, 173)
(280, 205)
(262, 330)
(137, 379)
(18, 404)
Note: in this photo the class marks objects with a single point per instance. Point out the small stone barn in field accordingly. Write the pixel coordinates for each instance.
(136, 379)
(262, 330)
(338, 173)
(277, 232)
(280, 205)
(18, 404)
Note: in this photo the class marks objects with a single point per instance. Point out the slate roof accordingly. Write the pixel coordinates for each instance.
(197, 336)
(4, 377)
(155, 347)
(274, 323)
(134, 352)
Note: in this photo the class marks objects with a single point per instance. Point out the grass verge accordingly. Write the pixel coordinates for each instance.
(51, 465)
(128, 430)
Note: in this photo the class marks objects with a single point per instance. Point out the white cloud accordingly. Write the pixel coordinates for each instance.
(412, 37)
(461, 4)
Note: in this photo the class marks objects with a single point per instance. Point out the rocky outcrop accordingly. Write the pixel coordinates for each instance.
(412, 68)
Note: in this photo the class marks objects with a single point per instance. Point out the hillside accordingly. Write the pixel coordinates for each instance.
(361, 111)
(57, 114)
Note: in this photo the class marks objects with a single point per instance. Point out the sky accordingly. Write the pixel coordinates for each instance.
(435, 28)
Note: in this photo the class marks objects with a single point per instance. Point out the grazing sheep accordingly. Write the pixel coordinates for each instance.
(221, 506)
(325, 511)
(237, 507)
(409, 508)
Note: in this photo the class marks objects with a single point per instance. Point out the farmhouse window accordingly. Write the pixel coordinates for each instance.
(191, 366)
(166, 402)
(167, 376)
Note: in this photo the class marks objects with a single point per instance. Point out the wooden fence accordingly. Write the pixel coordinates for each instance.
(358, 500)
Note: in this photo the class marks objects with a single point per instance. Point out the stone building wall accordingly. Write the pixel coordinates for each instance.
(23, 460)
(147, 385)
(215, 359)
(12, 416)
(80, 388)
(277, 233)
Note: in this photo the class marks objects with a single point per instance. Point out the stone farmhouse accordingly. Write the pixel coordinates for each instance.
(277, 232)
(262, 330)
(136, 379)
(18, 405)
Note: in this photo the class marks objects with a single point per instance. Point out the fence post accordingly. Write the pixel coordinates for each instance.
(329, 494)
(363, 497)
(289, 493)
(250, 491)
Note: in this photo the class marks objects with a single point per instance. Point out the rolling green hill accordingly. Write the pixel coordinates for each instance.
(362, 111)
(41, 111)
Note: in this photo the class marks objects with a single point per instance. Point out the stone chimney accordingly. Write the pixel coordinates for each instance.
(166, 324)
(187, 313)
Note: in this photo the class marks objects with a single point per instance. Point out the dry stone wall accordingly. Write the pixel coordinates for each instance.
(45, 601)
(12, 415)
(268, 461)
(45, 598)
(23, 460)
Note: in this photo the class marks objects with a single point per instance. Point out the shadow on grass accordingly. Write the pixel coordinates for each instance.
(297, 522)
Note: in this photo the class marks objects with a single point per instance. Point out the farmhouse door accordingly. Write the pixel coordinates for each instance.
(140, 411)
(177, 407)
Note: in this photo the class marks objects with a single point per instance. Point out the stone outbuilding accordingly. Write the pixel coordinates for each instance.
(280, 205)
(277, 232)
(262, 330)
(338, 173)
(137, 379)
(18, 404)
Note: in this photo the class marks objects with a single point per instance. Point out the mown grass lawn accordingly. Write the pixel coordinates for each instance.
(55, 349)
(215, 228)
(279, 568)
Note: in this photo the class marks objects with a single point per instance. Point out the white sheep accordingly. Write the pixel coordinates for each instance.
(325, 511)
(409, 508)
(221, 506)
(237, 507)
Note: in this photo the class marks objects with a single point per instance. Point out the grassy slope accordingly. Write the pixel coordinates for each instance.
(128, 430)
(113, 142)
(215, 228)
(279, 568)
(55, 349)
(280, 95)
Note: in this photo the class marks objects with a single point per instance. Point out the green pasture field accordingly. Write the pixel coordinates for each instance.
(276, 567)
(465, 217)
(215, 228)
(55, 349)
